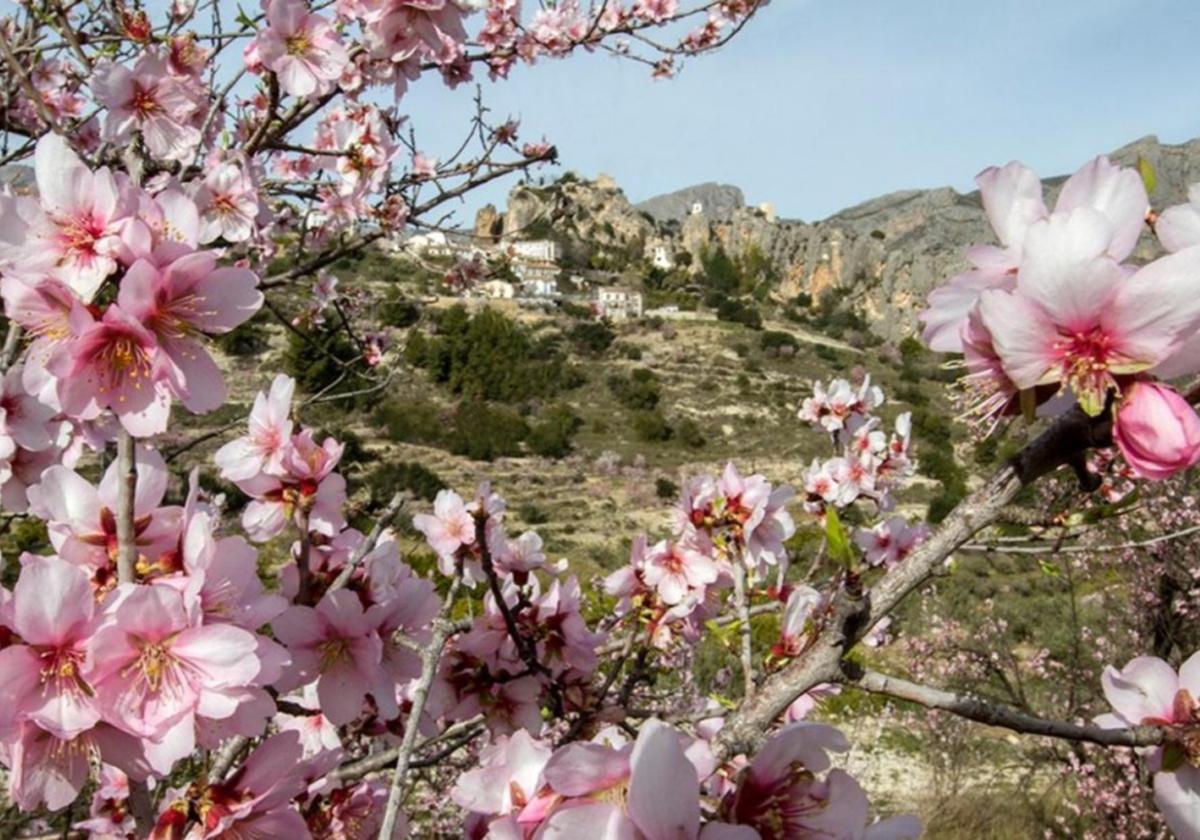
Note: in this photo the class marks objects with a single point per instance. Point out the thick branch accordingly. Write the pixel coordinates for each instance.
(1065, 442)
(997, 714)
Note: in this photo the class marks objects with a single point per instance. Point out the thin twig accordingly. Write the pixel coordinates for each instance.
(430, 657)
(367, 545)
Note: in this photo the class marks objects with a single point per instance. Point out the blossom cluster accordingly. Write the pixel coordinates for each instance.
(1056, 315)
(870, 462)
(676, 585)
(91, 236)
(662, 786)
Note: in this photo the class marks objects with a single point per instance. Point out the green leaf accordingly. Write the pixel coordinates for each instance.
(1149, 177)
(1105, 511)
(1048, 568)
(1028, 405)
(243, 19)
(724, 701)
(1173, 757)
(837, 541)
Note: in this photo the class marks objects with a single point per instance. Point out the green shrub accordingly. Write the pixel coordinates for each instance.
(638, 392)
(249, 339)
(739, 312)
(399, 311)
(591, 338)
(651, 426)
(389, 478)
(688, 433)
(773, 341)
(551, 437)
(484, 432)
(491, 357)
(327, 362)
(531, 514)
(407, 421)
(664, 488)
(575, 310)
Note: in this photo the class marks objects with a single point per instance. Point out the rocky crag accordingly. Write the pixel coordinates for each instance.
(880, 258)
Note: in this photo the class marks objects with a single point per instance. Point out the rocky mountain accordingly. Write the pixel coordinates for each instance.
(592, 220)
(717, 201)
(880, 258)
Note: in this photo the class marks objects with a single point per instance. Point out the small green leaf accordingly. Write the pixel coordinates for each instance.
(1173, 757)
(1028, 405)
(1149, 177)
(1048, 568)
(243, 19)
(837, 541)
(724, 701)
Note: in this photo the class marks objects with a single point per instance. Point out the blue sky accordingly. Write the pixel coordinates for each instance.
(820, 104)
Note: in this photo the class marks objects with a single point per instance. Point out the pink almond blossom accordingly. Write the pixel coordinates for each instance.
(301, 48)
(1157, 431)
(113, 363)
(156, 667)
(263, 447)
(183, 301)
(44, 680)
(335, 645)
(1081, 320)
(76, 236)
(150, 99)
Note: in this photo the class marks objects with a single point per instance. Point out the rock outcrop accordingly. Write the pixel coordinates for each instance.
(593, 221)
(880, 258)
(717, 202)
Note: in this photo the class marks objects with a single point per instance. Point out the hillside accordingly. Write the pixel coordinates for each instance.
(880, 257)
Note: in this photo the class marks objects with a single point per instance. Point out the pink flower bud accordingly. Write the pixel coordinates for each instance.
(1157, 430)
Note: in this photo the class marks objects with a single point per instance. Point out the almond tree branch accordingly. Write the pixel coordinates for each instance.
(126, 489)
(367, 545)
(744, 629)
(430, 657)
(1065, 442)
(991, 713)
(988, 548)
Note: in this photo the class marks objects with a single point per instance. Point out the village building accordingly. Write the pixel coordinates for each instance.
(618, 304)
(536, 250)
(660, 254)
(497, 290)
(540, 288)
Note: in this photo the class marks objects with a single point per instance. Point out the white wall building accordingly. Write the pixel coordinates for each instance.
(660, 254)
(498, 290)
(538, 250)
(540, 288)
(432, 244)
(528, 270)
(618, 304)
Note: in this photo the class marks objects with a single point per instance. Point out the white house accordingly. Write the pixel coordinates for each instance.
(537, 250)
(529, 270)
(541, 288)
(660, 254)
(433, 244)
(497, 289)
(697, 208)
(618, 304)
